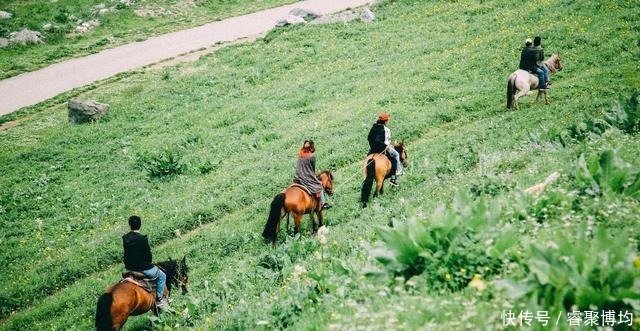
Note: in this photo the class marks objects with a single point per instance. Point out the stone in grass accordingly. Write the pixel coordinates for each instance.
(86, 111)
(291, 20)
(367, 15)
(304, 14)
(4, 15)
(26, 36)
(4, 42)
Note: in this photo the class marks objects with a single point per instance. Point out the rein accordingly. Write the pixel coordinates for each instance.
(365, 166)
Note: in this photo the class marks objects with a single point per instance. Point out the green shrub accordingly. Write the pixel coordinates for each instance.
(625, 117)
(589, 273)
(607, 173)
(164, 164)
(449, 248)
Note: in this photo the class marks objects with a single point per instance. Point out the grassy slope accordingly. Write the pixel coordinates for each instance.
(248, 108)
(116, 28)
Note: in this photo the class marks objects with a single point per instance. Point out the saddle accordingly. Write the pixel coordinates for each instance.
(302, 187)
(138, 278)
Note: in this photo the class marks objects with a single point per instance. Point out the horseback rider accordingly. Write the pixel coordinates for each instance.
(306, 172)
(380, 142)
(528, 62)
(137, 257)
(537, 45)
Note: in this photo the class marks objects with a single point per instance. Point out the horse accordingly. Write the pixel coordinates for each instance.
(524, 82)
(378, 166)
(126, 299)
(297, 201)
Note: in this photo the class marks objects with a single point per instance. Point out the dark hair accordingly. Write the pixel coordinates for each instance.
(537, 41)
(135, 222)
(309, 146)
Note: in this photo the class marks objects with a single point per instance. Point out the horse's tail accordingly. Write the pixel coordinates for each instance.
(270, 228)
(368, 182)
(511, 90)
(103, 313)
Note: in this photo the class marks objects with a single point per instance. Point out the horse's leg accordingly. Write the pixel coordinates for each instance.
(297, 220)
(546, 100)
(287, 229)
(320, 218)
(312, 219)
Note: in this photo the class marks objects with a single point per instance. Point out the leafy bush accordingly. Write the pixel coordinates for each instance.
(607, 173)
(449, 248)
(587, 128)
(165, 164)
(625, 117)
(591, 274)
(489, 185)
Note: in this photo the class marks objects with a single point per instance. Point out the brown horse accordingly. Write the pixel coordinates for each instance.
(378, 166)
(524, 82)
(297, 201)
(126, 299)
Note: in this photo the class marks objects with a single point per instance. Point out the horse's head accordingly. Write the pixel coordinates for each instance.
(326, 178)
(177, 273)
(555, 62)
(183, 275)
(401, 148)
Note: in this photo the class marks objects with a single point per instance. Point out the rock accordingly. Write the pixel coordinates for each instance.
(47, 27)
(367, 15)
(86, 111)
(99, 6)
(103, 11)
(291, 20)
(26, 36)
(343, 17)
(304, 14)
(126, 2)
(4, 42)
(4, 15)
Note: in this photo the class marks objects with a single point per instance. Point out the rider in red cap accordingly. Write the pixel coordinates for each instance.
(380, 141)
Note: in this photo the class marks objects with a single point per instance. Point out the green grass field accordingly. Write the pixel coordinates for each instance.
(227, 129)
(135, 22)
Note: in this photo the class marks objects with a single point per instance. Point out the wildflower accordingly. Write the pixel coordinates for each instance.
(298, 271)
(463, 270)
(322, 235)
(447, 277)
(636, 262)
(478, 283)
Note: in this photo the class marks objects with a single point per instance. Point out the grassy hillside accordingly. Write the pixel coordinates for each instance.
(226, 130)
(124, 22)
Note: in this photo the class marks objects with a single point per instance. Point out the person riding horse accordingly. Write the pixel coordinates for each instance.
(537, 45)
(380, 142)
(137, 257)
(306, 172)
(529, 58)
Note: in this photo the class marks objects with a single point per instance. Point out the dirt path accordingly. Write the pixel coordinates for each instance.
(33, 87)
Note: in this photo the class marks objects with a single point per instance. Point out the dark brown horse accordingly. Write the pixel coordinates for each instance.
(297, 201)
(126, 299)
(377, 167)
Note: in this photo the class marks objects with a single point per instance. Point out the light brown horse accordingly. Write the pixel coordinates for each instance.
(126, 299)
(296, 201)
(377, 167)
(524, 82)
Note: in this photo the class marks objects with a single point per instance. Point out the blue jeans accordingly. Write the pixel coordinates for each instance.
(160, 277)
(542, 74)
(323, 197)
(394, 154)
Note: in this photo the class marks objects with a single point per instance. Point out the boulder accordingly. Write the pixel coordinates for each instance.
(291, 20)
(343, 17)
(4, 15)
(86, 111)
(4, 42)
(367, 15)
(26, 36)
(304, 14)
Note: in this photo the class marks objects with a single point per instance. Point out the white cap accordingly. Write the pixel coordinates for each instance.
(528, 41)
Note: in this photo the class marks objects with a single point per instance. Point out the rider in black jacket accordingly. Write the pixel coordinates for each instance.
(137, 257)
